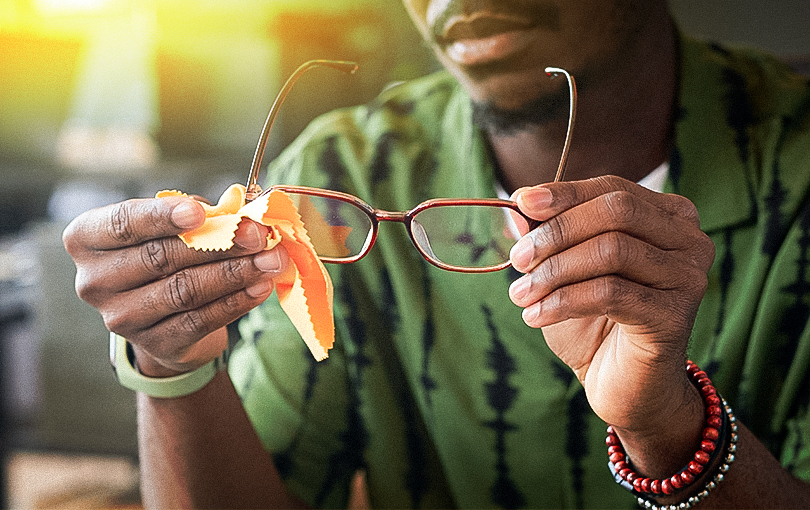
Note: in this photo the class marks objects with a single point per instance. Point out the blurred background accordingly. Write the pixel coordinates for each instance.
(102, 100)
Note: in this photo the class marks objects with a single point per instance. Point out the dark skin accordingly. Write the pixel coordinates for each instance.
(613, 276)
(618, 268)
(148, 285)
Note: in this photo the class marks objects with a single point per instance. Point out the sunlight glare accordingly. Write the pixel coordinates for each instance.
(69, 6)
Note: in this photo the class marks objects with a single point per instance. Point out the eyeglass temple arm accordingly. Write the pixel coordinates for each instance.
(252, 187)
(572, 114)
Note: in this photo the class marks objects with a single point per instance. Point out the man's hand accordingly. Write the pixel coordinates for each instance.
(161, 295)
(614, 276)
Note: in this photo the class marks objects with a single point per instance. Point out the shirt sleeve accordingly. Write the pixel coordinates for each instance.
(298, 406)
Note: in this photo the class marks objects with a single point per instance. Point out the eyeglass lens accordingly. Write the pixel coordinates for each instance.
(469, 236)
(464, 236)
(337, 229)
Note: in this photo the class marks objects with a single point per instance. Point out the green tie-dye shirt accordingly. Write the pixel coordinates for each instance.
(439, 391)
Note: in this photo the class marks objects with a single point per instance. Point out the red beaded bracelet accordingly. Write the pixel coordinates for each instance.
(710, 446)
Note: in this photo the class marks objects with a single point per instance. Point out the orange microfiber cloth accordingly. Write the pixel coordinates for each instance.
(305, 289)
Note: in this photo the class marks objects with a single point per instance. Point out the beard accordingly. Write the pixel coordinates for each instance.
(542, 110)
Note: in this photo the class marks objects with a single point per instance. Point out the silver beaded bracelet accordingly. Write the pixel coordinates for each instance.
(731, 450)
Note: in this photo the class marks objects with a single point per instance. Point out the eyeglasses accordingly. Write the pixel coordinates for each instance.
(463, 235)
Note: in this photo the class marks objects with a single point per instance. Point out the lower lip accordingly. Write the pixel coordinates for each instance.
(470, 52)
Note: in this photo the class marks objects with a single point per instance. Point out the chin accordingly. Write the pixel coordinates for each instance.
(513, 90)
(509, 83)
(535, 110)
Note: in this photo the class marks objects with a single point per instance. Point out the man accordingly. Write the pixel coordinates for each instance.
(436, 388)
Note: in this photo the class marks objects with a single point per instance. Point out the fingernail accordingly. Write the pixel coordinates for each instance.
(259, 289)
(522, 253)
(519, 288)
(249, 237)
(186, 215)
(268, 261)
(536, 198)
(530, 314)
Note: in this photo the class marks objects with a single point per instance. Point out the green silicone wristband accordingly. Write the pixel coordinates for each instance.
(159, 387)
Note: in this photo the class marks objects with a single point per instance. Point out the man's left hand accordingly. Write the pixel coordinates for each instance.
(614, 276)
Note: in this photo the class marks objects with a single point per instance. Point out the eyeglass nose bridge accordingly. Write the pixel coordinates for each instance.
(420, 242)
(400, 217)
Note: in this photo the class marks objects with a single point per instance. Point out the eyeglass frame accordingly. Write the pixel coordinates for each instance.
(253, 189)
(405, 217)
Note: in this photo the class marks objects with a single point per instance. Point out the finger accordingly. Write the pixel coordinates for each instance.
(609, 253)
(250, 236)
(193, 288)
(547, 200)
(616, 211)
(102, 273)
(651, 311)
(132, 222)
(172, 339)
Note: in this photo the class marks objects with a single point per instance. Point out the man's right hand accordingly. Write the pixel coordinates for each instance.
(170, 301)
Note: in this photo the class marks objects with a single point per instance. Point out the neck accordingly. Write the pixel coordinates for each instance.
(623, 125)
